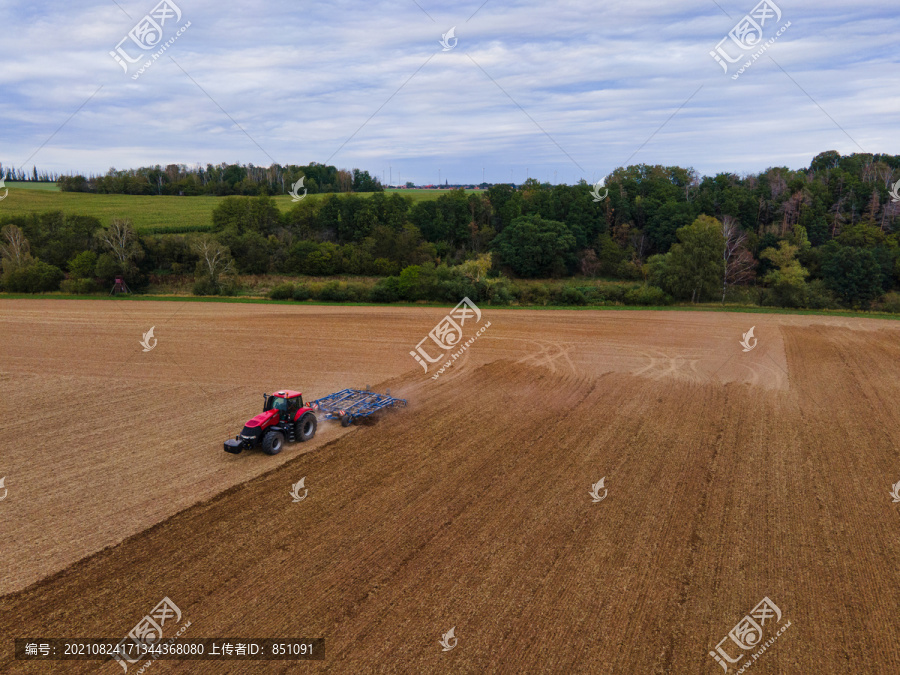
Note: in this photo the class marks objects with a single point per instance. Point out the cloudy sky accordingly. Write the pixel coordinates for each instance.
(557, 90)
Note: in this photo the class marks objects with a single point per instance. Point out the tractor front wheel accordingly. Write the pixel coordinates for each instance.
(306, 427)
(272, 442)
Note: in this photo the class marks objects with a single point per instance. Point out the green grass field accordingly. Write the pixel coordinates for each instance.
(25, 185)
(424, 195)
(178, 214)
(156, 214)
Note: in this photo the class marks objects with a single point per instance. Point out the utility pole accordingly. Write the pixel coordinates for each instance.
(392, 173)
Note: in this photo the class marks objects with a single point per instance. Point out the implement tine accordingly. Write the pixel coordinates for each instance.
(356, 402)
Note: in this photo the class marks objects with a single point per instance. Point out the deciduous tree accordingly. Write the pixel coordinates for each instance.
(693, 268)
(739, 264)
(215, 260)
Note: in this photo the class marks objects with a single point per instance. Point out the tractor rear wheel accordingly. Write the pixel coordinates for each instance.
(306, 427)
(272, 442)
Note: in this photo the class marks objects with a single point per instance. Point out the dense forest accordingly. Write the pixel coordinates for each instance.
(821, 237)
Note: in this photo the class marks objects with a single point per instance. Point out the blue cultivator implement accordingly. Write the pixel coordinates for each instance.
(348, 404)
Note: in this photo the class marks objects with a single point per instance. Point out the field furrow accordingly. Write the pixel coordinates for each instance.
(730, 476)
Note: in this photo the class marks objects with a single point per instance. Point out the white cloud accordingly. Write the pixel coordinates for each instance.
(302, 79)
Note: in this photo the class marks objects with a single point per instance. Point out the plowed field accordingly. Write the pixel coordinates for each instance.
(730, 476)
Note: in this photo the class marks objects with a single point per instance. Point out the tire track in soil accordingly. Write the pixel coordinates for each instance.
(548, 353)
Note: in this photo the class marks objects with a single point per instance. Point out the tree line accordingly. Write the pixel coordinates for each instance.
(222, 179)
(823, 237)
(10, 173)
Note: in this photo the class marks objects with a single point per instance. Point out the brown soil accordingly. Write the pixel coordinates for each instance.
(731, 475)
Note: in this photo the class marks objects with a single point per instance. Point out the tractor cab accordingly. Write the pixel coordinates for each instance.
(287, 403)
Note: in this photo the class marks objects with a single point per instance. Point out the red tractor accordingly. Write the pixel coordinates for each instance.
(284, 417)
